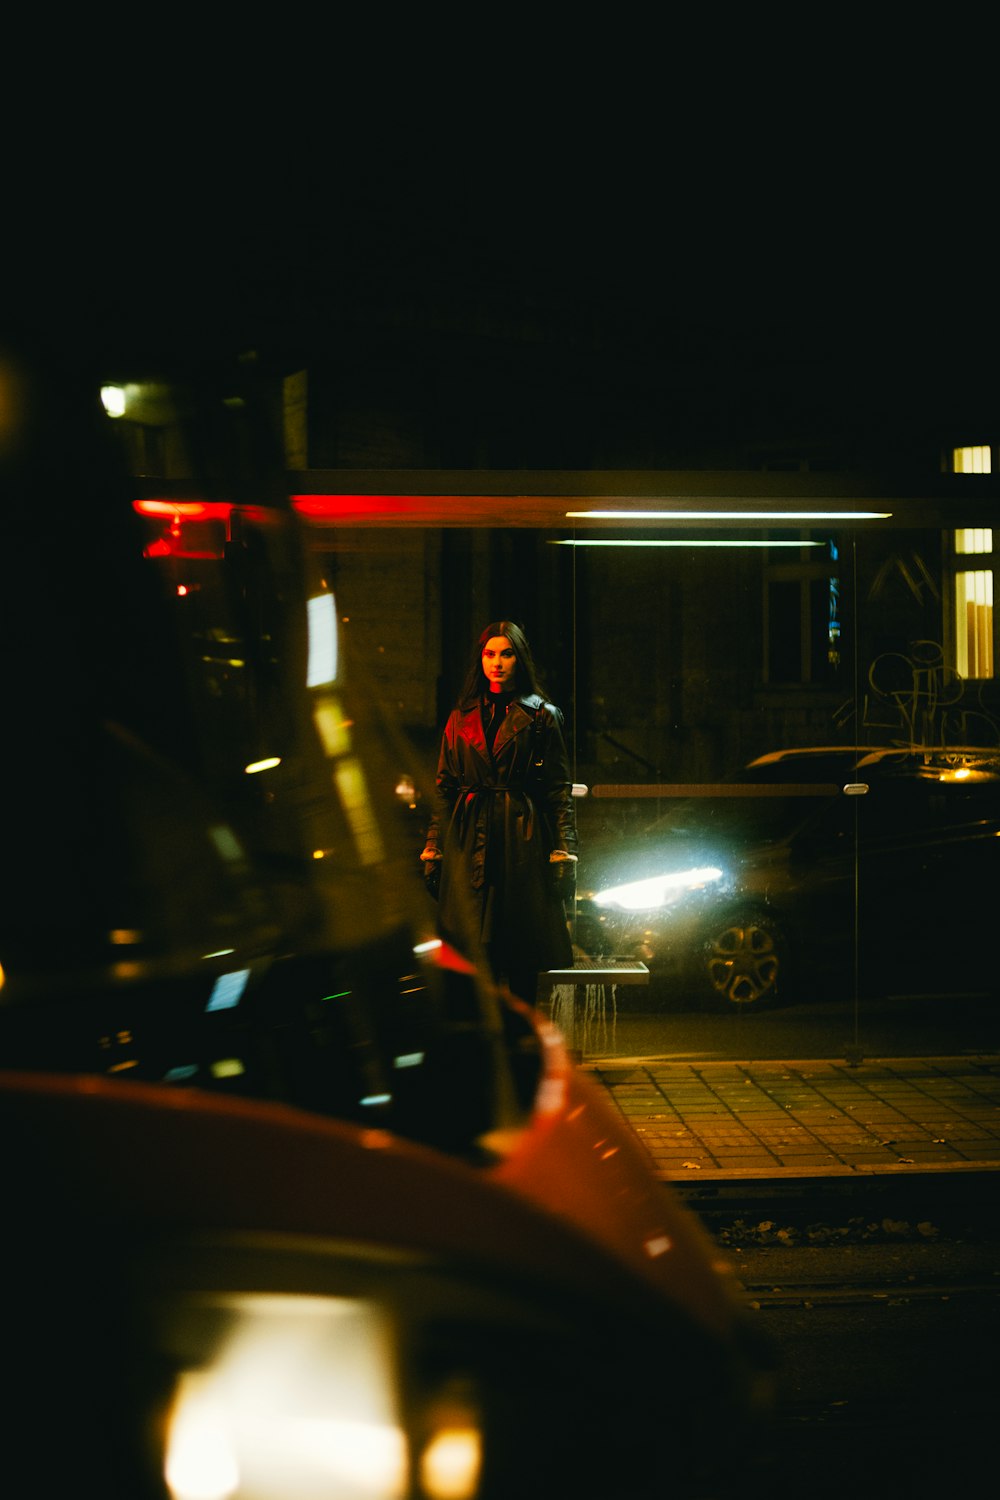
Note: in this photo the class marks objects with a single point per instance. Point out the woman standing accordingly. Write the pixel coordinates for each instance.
(502, 844)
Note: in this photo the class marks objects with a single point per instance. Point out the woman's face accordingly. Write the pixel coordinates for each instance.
(499, 663)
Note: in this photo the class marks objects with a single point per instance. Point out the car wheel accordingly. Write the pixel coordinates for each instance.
(744, 962)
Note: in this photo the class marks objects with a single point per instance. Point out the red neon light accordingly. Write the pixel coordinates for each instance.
(342, 507)
(205, 510)
(189, 510)
(163, 547)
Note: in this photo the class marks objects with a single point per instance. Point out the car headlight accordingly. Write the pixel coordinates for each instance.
(291, 1371)
(284, 1369)
(297, 1393)
(658, 890)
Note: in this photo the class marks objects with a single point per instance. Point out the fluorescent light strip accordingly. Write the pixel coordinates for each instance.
(733, 515)
(693, 542)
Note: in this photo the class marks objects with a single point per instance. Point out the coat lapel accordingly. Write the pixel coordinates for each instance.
(517, 720)
(471, 731)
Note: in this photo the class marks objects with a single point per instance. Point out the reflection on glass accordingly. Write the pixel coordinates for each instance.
(322, 665)
(295, 1398)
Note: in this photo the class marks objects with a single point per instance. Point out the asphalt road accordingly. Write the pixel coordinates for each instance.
(885, 1330)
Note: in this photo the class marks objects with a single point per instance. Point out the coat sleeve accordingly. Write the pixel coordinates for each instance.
(446, 786)
(556, 789)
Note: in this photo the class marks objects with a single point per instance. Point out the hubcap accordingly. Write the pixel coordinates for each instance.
(743, 963)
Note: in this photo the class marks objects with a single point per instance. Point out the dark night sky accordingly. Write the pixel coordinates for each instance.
(739, 252)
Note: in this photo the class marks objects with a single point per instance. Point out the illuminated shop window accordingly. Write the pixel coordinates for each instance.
(973, 607)
(803, 619)
(977, 460)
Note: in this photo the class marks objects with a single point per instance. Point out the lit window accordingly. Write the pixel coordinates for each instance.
(973, 602)
(974, 539)
(977, 460)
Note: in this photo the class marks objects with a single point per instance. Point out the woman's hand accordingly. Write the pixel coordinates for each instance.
(562, 868)
(430, 861)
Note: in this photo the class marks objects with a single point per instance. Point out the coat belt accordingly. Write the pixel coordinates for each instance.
(481, 836)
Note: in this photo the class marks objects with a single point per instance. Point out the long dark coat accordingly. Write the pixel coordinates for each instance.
(497, 817)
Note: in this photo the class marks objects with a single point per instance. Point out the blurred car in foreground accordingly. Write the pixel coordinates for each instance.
(296, 1203)
(815, 868)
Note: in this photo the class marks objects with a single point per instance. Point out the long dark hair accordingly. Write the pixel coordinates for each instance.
(526, 678)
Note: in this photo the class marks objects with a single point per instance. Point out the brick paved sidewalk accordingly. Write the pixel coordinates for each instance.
(805, 1119)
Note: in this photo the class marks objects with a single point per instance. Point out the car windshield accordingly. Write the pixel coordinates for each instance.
(750, 817)
(760, 804)
(780, 796)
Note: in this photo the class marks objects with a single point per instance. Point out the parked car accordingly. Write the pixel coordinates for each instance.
(867, 866)
(295, 1200)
